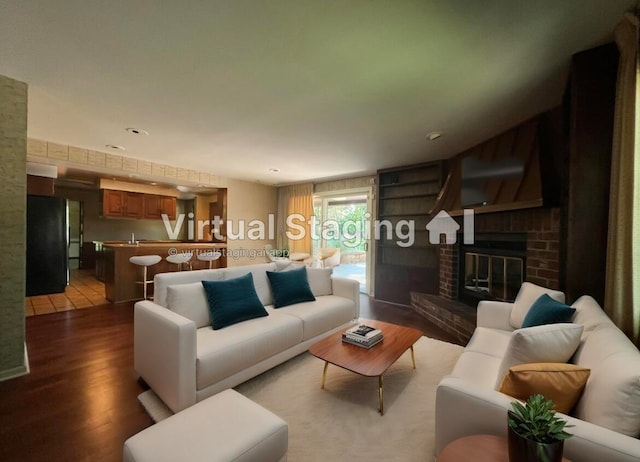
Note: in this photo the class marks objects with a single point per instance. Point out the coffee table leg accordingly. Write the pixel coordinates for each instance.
(381, 394)
(413, 358)
(324, 374)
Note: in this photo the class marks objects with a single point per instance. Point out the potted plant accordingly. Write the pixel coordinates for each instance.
(536, 434)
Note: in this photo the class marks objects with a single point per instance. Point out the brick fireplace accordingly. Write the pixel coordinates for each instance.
(532, 235)
(540, 228)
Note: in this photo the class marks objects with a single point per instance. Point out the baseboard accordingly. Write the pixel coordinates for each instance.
(17, 371)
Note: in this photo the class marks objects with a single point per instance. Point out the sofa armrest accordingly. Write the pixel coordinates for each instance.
(165, 353)
(347, 288)
(496, 315)
(464, 409)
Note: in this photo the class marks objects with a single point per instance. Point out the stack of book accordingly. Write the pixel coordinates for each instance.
(363, 336)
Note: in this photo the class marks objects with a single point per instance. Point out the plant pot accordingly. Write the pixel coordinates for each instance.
(522, 449)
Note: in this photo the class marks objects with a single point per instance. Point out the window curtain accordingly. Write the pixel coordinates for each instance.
(622, 293)
(295, 199)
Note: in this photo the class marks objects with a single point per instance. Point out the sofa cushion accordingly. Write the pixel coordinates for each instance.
(162, 281)
(222, 353)
(232, 301)
(260, 281)
(546, 310)
(321, 316)
(190, 301)
(550, 343)
(561, 383)
(478, 369)
(527, 295)
(492, 342)
(320, 281)
(290, 287)
(590, 314)
(611, 397)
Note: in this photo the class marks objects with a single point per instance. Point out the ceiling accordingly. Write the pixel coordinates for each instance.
(314, 88)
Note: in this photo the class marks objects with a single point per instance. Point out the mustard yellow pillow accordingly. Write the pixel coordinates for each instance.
(561, 383)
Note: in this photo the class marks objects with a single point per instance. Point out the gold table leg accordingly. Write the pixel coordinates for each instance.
(324, 374)
(381, 394)
(413, 358)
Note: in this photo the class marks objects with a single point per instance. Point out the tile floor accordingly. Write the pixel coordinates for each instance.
(84, 291)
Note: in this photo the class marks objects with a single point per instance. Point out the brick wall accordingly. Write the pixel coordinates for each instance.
(13, 171)
(448, 270)
(542, 227)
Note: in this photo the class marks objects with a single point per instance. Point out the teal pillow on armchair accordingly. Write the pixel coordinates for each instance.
(232, 301)
(546, 310)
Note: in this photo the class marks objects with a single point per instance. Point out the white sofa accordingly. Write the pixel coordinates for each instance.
(606, 418)
(184, 360)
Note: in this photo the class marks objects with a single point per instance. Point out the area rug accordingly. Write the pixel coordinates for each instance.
(342, 421)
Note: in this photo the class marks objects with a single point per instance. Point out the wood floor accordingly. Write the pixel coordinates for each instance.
(79, 402)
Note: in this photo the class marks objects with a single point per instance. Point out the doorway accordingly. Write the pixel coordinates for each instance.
(343, 220)
(74, 220)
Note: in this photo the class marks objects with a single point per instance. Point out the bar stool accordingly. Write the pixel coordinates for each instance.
(210, 256)
(145, 261)
(181, 258)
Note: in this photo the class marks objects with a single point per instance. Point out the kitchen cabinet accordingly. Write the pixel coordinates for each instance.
(113, 203)
(134, 205)
(124, 204)
(155, 206)
(152, 206)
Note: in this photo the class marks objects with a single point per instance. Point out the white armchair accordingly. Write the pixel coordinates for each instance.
(329, 257)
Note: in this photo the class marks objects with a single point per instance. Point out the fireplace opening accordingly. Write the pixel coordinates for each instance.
(493, 268)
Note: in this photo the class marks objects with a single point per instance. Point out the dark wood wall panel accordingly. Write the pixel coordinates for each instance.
(592, 100)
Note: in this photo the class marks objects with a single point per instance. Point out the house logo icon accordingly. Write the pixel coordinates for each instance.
(442, 223)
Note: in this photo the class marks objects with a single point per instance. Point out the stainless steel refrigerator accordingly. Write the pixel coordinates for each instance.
(47, 245)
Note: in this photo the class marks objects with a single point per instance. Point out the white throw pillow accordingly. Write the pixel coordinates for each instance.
(527, 295)
(549, 343)
(190, 301)
(320, 281)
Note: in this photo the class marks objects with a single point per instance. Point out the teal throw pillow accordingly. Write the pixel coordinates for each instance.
(233, 301)
(546, 310)
(290, 287)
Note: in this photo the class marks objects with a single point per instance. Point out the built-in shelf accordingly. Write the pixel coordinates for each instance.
(407, 193)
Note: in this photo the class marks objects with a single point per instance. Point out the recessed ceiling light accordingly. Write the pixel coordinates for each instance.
(274, 170)
(137, 131)
(153, 183)
(434, 135)
(116, 146)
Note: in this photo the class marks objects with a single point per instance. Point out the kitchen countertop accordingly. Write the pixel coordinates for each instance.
(164, 244)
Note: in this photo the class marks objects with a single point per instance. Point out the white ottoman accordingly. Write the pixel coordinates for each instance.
(226, 427)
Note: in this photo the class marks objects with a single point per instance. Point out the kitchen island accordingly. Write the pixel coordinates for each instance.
(121, 277)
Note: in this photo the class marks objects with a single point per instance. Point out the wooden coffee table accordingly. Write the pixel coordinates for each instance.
(372, 362)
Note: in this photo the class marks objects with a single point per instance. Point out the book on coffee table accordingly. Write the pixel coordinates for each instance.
(361, 343)
(363, 332)
(362, 335)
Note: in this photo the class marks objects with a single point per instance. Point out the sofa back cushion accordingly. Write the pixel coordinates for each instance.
(590, 314)
(320, 281)
(260, 280)
(611, 397)
(162, 281)
(526, 297)
(190, 301)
